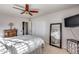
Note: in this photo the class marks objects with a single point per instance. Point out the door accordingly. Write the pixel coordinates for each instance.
(25, 28)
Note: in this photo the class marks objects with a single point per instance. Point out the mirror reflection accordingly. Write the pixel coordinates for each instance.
(55, 34)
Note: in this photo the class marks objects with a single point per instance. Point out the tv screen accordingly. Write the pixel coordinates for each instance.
(72, 21)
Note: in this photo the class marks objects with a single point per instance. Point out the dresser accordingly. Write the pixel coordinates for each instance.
(10, 32)
(73, 46)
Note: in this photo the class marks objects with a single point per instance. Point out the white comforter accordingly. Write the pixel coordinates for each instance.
(24, 43)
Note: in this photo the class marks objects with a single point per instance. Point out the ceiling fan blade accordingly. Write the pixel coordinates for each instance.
(34, 11)
(23, 12)
(19, 5)
(27, 7)
(18, 8)
(30, 14)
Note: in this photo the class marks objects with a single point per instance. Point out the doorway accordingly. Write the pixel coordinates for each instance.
(25, 28)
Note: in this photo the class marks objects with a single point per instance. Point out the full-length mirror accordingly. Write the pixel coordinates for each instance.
(56, 35)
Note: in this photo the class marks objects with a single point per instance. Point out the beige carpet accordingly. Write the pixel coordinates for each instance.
(53, 50)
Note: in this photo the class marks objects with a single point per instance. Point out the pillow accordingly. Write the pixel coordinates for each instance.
(2, 40)
(1, 34)
(1, 37)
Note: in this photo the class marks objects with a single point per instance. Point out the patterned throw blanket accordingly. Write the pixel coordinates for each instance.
(18, 46)
(3, 49)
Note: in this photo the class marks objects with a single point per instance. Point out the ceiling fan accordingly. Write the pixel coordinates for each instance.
(26, 9)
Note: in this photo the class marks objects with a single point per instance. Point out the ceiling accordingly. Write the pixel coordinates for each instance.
(8, 10)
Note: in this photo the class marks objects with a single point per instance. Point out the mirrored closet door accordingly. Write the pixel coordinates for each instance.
(56, 35)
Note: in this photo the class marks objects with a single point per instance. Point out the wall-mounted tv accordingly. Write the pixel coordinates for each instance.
(72, 21)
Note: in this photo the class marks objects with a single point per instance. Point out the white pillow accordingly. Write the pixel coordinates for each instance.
(2, 40)
(1, 36)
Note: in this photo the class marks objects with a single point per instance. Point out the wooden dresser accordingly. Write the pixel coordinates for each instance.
(10, 32)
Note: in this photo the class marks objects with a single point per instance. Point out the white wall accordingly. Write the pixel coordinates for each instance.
(39, 28)
(57, 17)
(5, 20)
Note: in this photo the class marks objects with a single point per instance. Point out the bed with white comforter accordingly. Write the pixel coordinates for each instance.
(23, 44)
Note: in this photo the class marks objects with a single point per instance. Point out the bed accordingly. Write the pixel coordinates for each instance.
(24, 44)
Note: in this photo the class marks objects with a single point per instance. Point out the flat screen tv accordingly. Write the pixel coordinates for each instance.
(72, 21)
